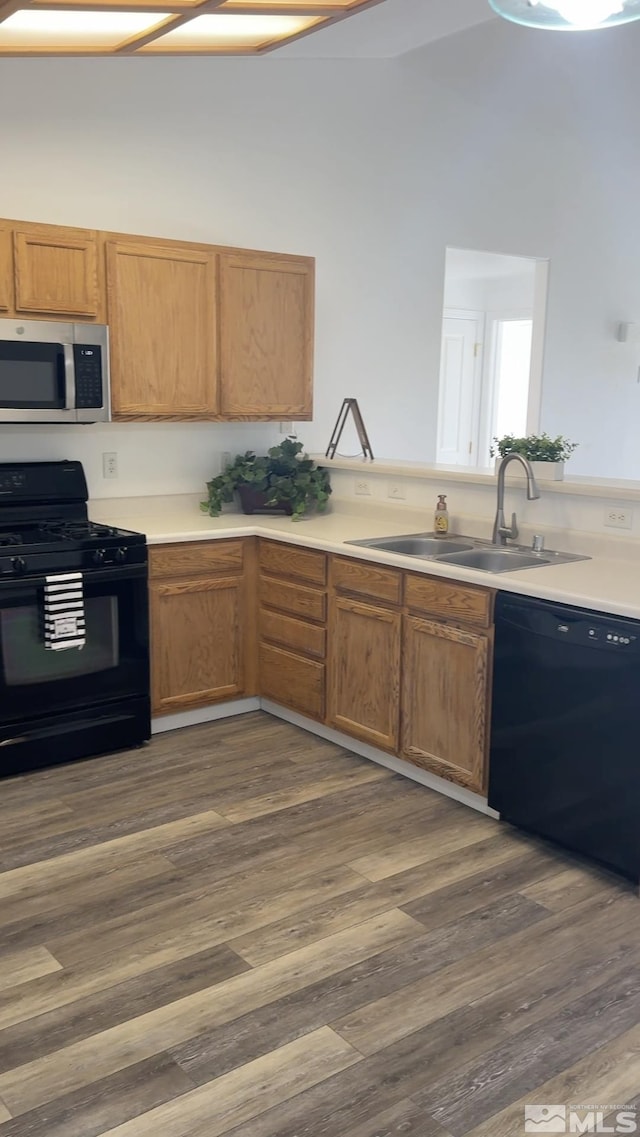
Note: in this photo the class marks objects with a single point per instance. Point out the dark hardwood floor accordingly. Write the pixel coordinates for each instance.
(246, 930)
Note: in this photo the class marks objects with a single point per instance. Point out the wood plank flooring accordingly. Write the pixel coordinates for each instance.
(245, 930)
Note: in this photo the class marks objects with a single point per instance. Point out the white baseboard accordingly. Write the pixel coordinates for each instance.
(204, 714)
(441, 785)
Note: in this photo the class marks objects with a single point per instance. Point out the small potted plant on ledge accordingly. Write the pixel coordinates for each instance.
(546, 455)
(283, 481)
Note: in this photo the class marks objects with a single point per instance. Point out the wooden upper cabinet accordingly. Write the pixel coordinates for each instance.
(445, 701)
(266, 336)
(56, 271)
(6, 270)
(162, 320)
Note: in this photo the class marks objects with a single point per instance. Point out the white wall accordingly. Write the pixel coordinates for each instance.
(492, 294)
(527, 143)
(153, 458)
(295, 157)
(500, 138)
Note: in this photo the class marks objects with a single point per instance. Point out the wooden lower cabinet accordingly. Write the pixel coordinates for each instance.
(445, 700)
(292, 680)
(403, 661)
(201, 625)
(364, 671)
(292, 627)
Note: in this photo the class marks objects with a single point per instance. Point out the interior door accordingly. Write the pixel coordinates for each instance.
(460, 370)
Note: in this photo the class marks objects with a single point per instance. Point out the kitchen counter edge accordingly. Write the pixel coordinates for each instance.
(601, 584)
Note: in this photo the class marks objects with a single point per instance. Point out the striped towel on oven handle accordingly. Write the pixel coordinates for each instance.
(64, 618)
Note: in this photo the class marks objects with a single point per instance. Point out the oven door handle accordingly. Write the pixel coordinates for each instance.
(17, 586)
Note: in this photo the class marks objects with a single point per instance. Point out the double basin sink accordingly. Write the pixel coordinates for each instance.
(468, 552)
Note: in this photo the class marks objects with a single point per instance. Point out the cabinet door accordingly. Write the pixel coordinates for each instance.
(6, 270)
(56, 271)
(364, 669)
(197, 631)
(266, 337)
(445, 701)
(162, 320)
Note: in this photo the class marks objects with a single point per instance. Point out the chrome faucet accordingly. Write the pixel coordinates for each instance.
(500, 529)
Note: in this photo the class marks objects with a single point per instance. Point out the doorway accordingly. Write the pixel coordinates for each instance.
(490, 381)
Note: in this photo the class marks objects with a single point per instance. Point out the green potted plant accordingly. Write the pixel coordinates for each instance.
(285, 480)
(546, 455)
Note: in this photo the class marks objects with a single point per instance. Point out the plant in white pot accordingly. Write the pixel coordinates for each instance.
(546, 455)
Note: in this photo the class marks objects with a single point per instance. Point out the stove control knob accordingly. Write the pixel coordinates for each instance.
(120, 555)
(98, 557)
(19, 564)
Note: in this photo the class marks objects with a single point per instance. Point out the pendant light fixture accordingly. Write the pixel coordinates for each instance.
(568, 15)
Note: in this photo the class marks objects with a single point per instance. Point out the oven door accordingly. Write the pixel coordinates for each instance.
(37, 682)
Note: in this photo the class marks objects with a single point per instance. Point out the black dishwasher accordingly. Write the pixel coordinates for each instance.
(565, 730)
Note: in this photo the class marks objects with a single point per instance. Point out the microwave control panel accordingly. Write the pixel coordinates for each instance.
(88, 368)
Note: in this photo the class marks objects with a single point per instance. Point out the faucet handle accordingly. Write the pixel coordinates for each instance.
(511, 533)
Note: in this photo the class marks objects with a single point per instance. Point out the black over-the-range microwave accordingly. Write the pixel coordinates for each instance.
(53, 372)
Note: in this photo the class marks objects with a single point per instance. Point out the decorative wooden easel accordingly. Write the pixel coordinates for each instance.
(349, 405)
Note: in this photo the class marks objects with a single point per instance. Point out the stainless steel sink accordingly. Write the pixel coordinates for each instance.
(495, 560)
(467, 552)
(417, 545)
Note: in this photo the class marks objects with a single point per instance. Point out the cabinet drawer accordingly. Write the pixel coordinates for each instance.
(308, 639)
(293, 598)
(195, 557)
(366, 580)
(293, 681)
(287, 560)
(449, 600)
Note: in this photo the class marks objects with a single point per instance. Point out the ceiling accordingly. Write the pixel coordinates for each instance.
(390, 29)
(309, 29)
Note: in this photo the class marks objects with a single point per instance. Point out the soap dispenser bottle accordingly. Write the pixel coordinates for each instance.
(441, 517)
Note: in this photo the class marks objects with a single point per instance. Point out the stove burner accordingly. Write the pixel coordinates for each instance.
(10, 539)
(76, 530)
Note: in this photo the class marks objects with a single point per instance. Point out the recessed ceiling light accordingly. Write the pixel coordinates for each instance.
(185, 27)
(30, 30)
(230, 32)
(568, 15)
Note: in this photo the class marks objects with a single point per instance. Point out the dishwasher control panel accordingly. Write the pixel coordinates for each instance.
(613, 638)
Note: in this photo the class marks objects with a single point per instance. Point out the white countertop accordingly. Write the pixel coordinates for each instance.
(605, 584)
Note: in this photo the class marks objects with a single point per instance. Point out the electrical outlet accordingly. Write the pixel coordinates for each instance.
(363, 488)
(618, 518)
(225, 460)
(109, 464)
(286, 428)
(396, 491)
